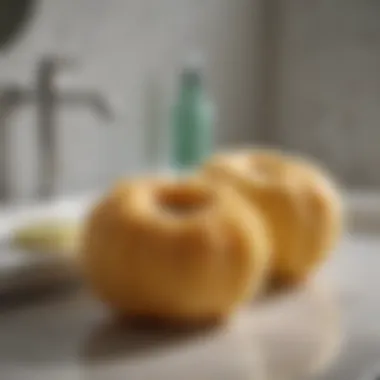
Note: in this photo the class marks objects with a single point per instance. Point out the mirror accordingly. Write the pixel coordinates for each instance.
(14, 16)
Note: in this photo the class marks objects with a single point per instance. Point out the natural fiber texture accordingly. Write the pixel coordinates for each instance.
(182, 251)
(301, 205)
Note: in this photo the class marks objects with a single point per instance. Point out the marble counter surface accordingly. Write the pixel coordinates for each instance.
(329, 329)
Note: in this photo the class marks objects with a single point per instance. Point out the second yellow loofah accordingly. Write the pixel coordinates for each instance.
(299, 201)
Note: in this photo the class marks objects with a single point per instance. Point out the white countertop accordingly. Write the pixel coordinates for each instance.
(329, 329)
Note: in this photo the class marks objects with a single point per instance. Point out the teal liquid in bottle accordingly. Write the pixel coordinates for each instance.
(192, 123)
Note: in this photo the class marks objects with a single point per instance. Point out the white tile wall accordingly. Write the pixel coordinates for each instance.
(329, 89)
(327, 100)
(117, 43)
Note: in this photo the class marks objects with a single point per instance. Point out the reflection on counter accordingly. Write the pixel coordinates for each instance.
(300, 333)
(289, 336)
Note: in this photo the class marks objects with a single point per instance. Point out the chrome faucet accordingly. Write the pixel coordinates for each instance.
(11, 97)
(47, 99)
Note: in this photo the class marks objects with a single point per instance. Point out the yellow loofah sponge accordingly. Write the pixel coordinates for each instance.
(177, 251)
(300, 202)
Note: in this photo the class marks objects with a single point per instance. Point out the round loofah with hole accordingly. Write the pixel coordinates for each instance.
(175, 250)
(299, 200)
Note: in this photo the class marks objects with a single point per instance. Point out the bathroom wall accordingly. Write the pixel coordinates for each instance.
(294, 73)
(116, 45)
(327, 96)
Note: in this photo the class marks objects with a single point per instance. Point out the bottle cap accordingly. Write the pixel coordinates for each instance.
(192, 67)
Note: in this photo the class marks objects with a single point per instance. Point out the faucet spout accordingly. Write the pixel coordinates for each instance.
(93, 99)
(47, 98)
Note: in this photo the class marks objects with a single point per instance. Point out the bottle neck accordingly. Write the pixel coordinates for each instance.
(191, 83)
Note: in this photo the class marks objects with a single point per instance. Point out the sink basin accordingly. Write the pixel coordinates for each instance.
(21, 270)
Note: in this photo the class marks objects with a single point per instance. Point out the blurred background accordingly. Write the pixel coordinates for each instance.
(87, 90)
(300, 75)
